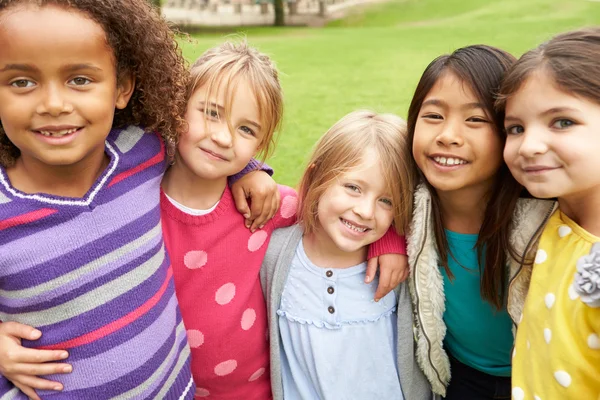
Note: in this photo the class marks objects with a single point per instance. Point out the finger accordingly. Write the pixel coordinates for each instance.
(241, 202)
(384, 286)
(263, 217)
(26, 355)
(275, 204)
(29, 392)
(256, 206)
(404, 275)
(276, 201)
(41, 369)
(395, 279)
(371, 269)
(38, 383)
(20, 330)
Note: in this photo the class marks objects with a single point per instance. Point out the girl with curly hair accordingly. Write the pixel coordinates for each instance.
(83, 257)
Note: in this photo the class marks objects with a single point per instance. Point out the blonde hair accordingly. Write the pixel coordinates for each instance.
(227, 64)
(342, 147)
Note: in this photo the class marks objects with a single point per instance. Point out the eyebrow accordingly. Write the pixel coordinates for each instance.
(19, 67)
(256, 124)
(31, 68)
(221, 108)
(551, 111)
(78, 67)
(441, 103)
(211, 104)
(557, 110)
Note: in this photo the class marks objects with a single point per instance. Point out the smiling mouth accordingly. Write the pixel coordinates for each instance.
(214, 155)
(448, 161)
(58, 133)
(359, 229)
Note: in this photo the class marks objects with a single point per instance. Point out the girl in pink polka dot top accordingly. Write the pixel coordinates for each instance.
(235, 106)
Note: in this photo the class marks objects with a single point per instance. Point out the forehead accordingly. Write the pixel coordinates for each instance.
(369, 170)
(235, 90)
(450, 87)
(540, 91)
(44, 35)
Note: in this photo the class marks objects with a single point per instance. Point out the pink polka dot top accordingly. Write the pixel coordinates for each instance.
(216, 262)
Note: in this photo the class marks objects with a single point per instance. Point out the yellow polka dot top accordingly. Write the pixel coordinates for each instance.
(557, 349)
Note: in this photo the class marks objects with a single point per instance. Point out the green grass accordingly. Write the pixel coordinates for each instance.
(374, 58)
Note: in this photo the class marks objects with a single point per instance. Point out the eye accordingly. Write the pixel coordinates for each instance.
(433, 116)
(211, 113)
(22, 83)
(562, 123)
(246, 130)
(387, 202)
(478, 119)
(80, 81)
(352, 188)
(515, 130)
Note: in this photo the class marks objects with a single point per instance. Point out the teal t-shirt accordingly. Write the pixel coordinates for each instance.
(477, 335)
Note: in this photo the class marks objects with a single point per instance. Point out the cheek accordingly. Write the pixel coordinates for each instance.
(510, 151)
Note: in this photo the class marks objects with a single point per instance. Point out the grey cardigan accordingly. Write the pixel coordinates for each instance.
(273, 275)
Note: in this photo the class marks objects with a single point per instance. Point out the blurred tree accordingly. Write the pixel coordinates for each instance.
(279, 13)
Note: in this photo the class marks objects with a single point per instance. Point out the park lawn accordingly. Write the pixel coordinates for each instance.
(374, 58)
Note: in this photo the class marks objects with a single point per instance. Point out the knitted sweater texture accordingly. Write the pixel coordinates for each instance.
(92, 274)
(216, 264)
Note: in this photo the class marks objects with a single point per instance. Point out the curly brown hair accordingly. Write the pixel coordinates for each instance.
(144, 46)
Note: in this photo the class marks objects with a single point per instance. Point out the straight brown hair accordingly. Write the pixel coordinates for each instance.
(481, 68)
(571, 59)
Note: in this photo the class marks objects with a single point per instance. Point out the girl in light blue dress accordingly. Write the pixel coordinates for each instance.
(329, 339)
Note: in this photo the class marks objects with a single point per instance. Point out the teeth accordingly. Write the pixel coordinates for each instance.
(353, 227)
(449, 161)
(61, 133)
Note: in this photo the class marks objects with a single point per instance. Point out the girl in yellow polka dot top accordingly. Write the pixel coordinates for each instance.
(551, 98)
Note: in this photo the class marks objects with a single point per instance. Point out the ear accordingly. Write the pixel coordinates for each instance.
(125, 88)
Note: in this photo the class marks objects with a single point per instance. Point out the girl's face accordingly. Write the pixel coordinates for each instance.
(356, 209)
(553, 140)
(58, 85)
(455, 144)
(210, 149)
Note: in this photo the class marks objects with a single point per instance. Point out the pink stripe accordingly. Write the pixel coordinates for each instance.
(116, 325)
(154, 160)
(26, 218)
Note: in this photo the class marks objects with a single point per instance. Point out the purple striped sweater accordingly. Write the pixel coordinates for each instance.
(93, 275)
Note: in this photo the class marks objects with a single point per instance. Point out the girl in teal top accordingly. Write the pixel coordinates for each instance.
(459, 244)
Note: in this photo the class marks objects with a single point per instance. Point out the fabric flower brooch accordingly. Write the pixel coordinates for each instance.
(587, 277)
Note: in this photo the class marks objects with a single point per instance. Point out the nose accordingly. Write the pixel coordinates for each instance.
(450, 135)
(533, 142)
(365, 208)
(221, 136)
(54, 101)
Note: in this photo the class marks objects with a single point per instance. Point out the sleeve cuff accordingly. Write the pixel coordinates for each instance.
(253, 165)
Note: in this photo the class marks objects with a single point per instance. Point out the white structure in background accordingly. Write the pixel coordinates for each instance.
(255, 12)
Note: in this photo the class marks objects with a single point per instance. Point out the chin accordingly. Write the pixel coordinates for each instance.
(543, 193)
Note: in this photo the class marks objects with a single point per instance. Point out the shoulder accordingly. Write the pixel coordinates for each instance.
(134, 142)
(530, 214)
(282, 240)
(280, 236)
(286, 191)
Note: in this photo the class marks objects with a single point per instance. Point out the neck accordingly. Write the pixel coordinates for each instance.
(187, 188)
(464, 210)
(29, 175)
(323, 252)
(584, 209)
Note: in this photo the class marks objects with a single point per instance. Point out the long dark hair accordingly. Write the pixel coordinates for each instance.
(482, 69)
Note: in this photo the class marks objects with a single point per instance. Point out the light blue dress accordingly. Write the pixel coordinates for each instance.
(337, 342)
